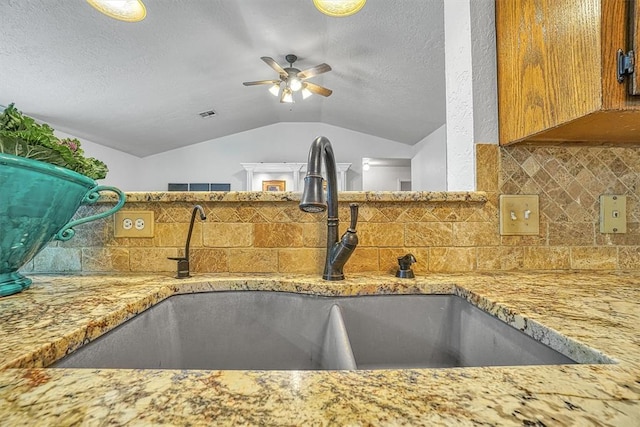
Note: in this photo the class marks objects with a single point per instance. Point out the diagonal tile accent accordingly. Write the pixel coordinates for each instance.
(570, 179)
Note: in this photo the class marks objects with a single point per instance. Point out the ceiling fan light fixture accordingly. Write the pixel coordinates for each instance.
(291, 80)
(275, 89)
(122, 10)
(339, 8)
(306, 92)
(294, 83)
(287, 96)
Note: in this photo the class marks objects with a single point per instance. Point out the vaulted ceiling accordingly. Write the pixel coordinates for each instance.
(138, 87)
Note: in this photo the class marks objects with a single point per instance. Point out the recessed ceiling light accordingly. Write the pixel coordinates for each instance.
(339, 8)
(122, 10)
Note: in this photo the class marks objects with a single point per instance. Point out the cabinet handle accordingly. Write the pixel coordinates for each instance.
(625, 65)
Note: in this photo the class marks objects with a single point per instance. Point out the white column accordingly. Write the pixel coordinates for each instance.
(459, 89)
(249, 167)
(485, 82)
(296, 168)
(342, 175)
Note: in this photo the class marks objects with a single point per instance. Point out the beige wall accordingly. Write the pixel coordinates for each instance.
(443, 236)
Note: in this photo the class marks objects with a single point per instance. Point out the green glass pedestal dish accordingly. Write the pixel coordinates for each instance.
(37, 203)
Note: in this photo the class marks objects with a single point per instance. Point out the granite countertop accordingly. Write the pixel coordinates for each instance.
(59, 313)
(288, 196)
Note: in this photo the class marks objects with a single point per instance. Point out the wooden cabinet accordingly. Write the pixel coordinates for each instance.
(557, 65)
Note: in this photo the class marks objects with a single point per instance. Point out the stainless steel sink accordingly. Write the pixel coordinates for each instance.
(271, 330)
(224, 330)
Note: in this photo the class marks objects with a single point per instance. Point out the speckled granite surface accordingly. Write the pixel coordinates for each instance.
(287, 196)
(58, 313)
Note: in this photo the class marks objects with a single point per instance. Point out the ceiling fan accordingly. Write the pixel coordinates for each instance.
(293, 80)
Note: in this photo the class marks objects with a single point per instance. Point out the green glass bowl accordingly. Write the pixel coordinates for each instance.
(37, 202)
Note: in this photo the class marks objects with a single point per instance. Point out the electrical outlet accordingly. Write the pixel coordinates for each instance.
(133, 224)
(519, 215)
(613, 214)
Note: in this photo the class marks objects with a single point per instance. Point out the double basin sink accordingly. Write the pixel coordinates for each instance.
(255, 330)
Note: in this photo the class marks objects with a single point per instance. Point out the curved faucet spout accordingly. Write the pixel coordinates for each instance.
(183, 262)
(196, 209)
(312, 200)
(313, 196)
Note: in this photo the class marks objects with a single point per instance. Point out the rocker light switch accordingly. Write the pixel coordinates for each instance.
(613, 214)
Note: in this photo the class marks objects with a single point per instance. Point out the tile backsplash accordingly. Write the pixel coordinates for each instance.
(253, 237)
(569, 181)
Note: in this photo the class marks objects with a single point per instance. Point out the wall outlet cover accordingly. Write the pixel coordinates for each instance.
(133, 224)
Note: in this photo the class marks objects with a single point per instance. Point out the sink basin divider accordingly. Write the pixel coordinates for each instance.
(336, 347)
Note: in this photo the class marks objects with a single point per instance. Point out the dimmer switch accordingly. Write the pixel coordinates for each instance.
(519, 215)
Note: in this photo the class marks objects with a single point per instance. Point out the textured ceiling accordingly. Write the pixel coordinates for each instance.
(138, 87)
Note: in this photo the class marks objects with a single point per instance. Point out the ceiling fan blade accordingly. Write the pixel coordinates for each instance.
(314, 71)
(262, 82)
(318, 90)
(273, 64)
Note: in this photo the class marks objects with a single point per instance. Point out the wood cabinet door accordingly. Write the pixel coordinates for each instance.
(549, 64)
(634, 34)
(557, 71)
(620, 33)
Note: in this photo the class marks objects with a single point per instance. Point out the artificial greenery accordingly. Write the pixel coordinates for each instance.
(20, 135)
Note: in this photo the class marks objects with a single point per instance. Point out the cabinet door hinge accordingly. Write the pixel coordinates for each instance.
(625, 64)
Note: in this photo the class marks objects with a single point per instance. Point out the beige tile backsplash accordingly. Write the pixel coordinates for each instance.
(260, 237)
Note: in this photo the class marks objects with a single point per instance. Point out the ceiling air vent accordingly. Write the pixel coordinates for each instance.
(207, 114)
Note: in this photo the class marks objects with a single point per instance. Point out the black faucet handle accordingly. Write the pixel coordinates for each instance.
(354, 216)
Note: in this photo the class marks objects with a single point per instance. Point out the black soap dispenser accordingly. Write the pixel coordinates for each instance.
(405, 272)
